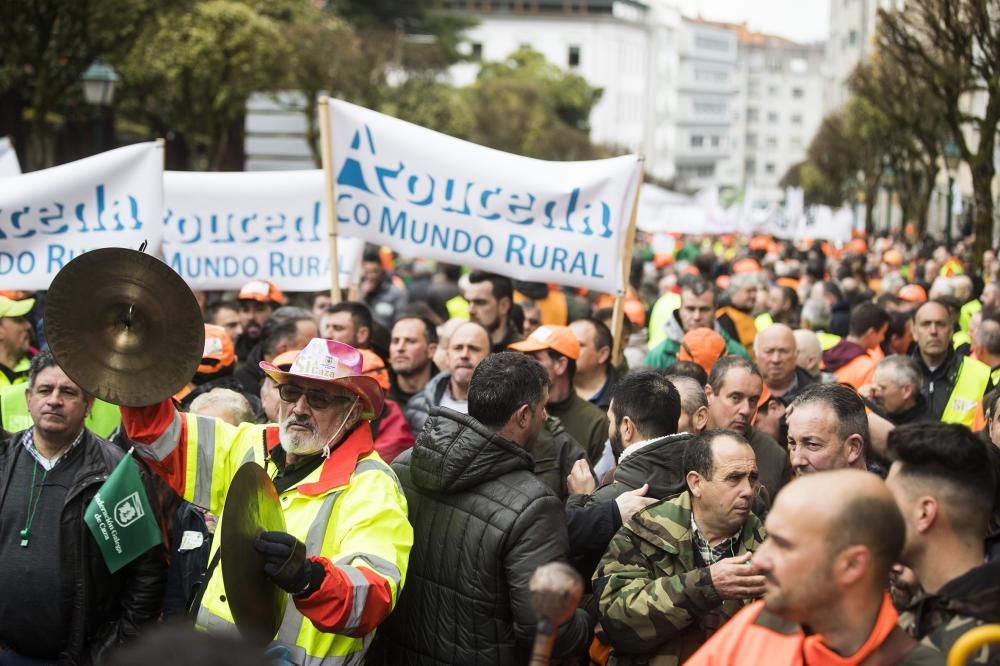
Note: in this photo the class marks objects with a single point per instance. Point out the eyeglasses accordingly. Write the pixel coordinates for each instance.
(315, 398)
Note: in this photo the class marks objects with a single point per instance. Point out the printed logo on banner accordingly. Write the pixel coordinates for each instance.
(544, 221)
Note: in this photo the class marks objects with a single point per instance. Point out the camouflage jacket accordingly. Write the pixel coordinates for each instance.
(972, 599)
(653, 597)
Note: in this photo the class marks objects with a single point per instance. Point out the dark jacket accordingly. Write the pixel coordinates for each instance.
(968, 601)
(104, 609)
(919, 412)
(555, 452)
(482, 524)
(419, 407)
(773, 466)
(584, 421)
(938, 385)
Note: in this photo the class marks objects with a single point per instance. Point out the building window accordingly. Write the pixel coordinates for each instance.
(796, 143)
(797, 119)
(798, 93)
(772, 142)
(769, 169)
(711, 43)
(751, 140)
(477, 51)
(753, 88)
(772, 117)
(574, 56)
(753, 114)
(772, 91)
(697, 141)
(715, 140)
(852, 37)
(710, 76)
(751, 168)
(706, 171)
(709, 108)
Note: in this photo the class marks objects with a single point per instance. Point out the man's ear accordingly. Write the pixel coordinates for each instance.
(927, 511)
(851, 565)
(523, 415)
(855, 448)
(603, 354)
(503, 306)
(431, 350)
(709, 393)
(363, 335)
(700, 419)
(694, 483)
(561, 365)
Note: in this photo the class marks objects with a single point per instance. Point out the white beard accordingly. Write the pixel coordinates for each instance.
(299, 443)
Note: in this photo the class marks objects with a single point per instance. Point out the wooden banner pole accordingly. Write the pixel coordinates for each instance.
(618, 314)
(326, 149)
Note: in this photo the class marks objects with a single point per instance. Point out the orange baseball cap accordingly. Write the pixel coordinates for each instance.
(747, 265)
(284, 360)
(635, 312)
(262, 291)
(913, 293)
(218, 353)
(893, 258)
(556, 338)
(702, 346)
(373, 366)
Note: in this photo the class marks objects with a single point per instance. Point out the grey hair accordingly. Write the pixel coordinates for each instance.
(692, 393)
(226, 399)
(818, 313)
(904, 369)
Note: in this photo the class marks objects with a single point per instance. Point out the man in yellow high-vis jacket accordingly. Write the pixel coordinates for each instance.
(343, 559)
(15, 340)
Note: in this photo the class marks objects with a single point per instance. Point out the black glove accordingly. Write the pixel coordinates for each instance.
(286, 564)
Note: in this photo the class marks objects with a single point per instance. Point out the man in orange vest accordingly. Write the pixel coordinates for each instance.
(849, 360)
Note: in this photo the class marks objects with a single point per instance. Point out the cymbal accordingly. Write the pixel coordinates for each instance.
(124, 326)
(251, 508)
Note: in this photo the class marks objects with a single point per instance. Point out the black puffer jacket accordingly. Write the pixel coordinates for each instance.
(482, 524)
(106, 609)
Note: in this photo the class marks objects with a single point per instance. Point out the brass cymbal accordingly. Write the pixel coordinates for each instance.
(251, 508)
(124, 326)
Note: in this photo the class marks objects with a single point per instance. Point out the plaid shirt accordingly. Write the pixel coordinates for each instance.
(28, 441)
(709, 555)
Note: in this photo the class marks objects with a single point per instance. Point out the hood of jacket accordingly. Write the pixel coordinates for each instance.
(660, 464)
(434, 389)
(841, 354)
(454, 452)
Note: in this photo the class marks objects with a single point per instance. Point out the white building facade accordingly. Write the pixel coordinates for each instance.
(625, 47)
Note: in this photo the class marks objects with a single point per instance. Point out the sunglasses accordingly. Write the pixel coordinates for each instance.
(315, 398)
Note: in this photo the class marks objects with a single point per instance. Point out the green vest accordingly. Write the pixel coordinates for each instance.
(973, 378)
(102, 421)
(663, 310)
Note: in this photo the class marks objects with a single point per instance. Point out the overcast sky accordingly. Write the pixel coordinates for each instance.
(800, 20)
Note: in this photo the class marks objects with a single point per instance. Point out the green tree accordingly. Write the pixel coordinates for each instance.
(193, 71)
(46, 45)
(952, 48)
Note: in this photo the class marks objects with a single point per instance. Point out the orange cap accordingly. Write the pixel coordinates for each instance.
(791, 283)
(635, 312)
(373, 366)
(556, 338)
(760, 243)
(262, 291)
(747, 265)
(913, 293)
(218, 353)
(703, 346)
(285, 359)
(893, 258)
(663, 259)
(722, 281)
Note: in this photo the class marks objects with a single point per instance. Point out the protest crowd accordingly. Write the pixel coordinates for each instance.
(789, 456)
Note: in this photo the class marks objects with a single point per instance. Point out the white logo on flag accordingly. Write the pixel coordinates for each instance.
(128, 510)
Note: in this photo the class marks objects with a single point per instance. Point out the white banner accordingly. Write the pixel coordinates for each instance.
(426, 194)
(223, 229)
(662, 211)
(47, 217)
(813, 223)
(9, 166)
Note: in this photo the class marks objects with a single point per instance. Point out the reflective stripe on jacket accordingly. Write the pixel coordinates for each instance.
(966, 398)
(350, 512)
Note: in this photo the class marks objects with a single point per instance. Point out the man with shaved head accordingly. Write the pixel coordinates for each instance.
(808, 353)
(467, 347)
(824, 564)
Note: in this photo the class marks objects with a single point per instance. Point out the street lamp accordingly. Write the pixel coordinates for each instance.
(99, 82)
(952, 158)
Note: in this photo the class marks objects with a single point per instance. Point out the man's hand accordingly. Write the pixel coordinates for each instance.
(580, 480)
(285, 562)
(631, 502)
(736, 578)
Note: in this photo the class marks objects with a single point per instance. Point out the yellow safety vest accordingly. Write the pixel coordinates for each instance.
(960, 338)
(458, 308)
(965, 314)
(663, 310)
(360, 522)
(763, 321)
(827, 340)
(103, 419)
(21, 370)
(973, 378)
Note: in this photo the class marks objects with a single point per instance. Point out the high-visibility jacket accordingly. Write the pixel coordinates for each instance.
(965, 314)
(960, 338)
(103, 419)
(965, 402)
(458, 308)
(350, 512)
(762, 321)
(17, 375)
(663, 310)
(744, 325)
(827, 341)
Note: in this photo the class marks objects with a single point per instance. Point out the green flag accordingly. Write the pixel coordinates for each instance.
(120, 517)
